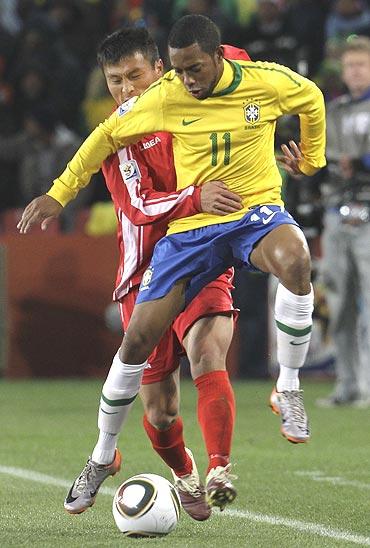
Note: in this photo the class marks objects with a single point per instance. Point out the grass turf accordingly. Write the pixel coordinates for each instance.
(49, 427)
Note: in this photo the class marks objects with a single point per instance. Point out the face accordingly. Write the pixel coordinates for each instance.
(131, 76)
(198, 71)
(356, 71)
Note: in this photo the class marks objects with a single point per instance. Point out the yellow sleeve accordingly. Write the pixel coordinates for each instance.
(301, 96)
(132, 120)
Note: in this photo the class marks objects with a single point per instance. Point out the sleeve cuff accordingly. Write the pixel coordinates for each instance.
(196, 198)
(309, 169)
(61, 195)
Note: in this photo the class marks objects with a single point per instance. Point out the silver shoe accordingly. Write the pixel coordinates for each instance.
(83, 492)
(289, 405)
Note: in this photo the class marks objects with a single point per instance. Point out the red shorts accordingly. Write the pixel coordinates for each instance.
(215, 298)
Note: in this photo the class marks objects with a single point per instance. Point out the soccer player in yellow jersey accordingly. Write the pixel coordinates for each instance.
(222, 115)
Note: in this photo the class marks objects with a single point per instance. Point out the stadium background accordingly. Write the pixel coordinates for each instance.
(55, 288)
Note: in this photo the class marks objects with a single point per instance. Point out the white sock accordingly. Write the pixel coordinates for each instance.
(119, 392)
(288, 379)
(293, 316)
(105, 448)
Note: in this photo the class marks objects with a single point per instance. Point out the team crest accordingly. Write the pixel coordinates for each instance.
(126, 106)
(252, 113)
(130, 170)
(146, 279)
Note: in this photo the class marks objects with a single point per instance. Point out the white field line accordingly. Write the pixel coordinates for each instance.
(305, 527)
(43, 478)
(317, 475)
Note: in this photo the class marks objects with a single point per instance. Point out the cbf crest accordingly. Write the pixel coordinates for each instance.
(252, 113)
(146, 279)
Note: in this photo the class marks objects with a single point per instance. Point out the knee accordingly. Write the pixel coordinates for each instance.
(295, 263)
(207, 359)
(135, 347)
(161, 417)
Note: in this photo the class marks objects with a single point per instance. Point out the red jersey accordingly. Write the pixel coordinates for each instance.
(141, 179)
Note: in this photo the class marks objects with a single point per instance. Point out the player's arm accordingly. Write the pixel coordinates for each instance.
(147, 205)
(298, 95)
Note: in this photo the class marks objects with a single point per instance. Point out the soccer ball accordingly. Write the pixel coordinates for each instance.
(146, 505)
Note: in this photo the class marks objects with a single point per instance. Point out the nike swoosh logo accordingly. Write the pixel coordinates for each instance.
(265, 221)
(298, 344)
(188, 122)
(107, 413)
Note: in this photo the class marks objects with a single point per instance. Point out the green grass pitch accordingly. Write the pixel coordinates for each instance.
(313, 495)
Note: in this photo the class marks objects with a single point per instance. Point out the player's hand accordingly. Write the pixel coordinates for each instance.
(216, 198)
(43, 210)
(291, 158)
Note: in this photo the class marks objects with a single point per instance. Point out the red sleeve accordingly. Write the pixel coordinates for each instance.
(148, 206)
(142, 181)
(233, 53)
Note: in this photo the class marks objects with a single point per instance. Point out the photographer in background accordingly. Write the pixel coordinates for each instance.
(346, 235)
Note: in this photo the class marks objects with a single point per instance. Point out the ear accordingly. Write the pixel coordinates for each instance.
(158, 67)
(220, 52)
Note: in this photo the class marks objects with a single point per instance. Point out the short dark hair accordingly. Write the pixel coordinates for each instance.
(125, 42)
(195, 29)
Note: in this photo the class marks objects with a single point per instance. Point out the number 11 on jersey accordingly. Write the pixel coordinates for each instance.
(214, 147)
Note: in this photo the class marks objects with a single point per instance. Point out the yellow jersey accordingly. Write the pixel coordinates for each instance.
(229, 136)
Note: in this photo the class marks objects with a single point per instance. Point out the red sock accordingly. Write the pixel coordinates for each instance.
(216, 415)
(169, 444)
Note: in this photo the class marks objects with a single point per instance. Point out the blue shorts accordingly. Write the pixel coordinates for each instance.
(202, 254)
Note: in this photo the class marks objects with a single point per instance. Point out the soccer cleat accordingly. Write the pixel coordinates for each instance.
(289, 405)
(191, 492)
(83, 492)
(219, 487)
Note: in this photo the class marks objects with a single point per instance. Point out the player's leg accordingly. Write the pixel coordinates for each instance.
(148, 324)
(205, 329)
(284, 252)
(164, 428)
(105, 459)
(182, 264)
(118, 394)
(206, 344)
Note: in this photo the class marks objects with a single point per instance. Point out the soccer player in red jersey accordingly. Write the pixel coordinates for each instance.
(142, 181)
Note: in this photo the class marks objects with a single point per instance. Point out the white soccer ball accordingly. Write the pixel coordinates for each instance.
(146, 505)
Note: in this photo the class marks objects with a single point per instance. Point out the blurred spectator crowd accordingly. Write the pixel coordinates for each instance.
(52, 93)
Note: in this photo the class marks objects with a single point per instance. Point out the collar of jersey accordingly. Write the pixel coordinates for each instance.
(236, 78)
